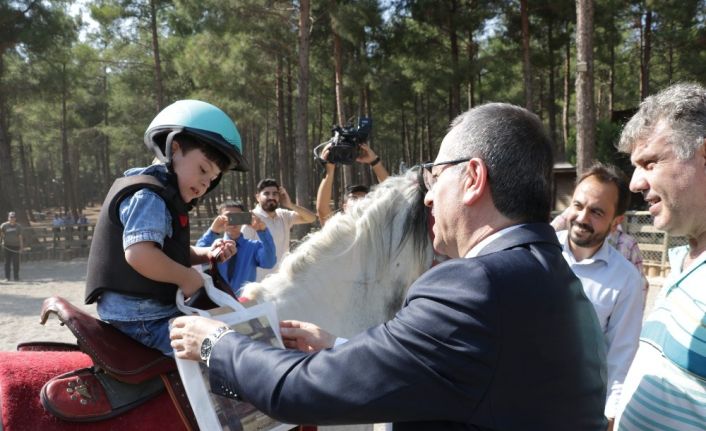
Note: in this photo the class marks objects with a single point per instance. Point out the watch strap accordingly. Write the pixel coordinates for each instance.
(212, 340)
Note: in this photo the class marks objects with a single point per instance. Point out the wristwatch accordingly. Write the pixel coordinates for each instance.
(208, 342)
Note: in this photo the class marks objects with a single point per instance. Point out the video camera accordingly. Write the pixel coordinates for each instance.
(346, 140)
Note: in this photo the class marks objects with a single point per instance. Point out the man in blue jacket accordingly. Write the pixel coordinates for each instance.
(499, 337)
(249, 254)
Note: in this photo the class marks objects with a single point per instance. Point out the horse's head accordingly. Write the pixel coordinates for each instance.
(354, 273)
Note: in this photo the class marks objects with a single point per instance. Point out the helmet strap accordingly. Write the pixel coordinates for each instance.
(168, 146)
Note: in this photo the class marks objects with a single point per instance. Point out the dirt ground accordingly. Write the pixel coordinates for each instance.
(21, 301)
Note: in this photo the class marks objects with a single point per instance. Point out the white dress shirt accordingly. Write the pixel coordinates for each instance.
(614, 286)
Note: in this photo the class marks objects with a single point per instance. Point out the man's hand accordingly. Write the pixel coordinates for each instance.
(365, 154)
(330, 167)
(257, 223)
(284, 200)
(305, 336)
(188, 332)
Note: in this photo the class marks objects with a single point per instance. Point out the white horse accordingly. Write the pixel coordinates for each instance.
(354, 273)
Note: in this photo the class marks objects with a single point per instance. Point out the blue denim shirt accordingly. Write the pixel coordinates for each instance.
(250, 255)
(145, 217)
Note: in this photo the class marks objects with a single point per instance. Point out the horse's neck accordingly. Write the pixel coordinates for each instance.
(340, 303)
(348, 297)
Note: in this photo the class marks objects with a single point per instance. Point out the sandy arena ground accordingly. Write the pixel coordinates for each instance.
(21, 301)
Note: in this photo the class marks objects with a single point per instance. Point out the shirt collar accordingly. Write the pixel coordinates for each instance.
(603, 253)
(476, 249)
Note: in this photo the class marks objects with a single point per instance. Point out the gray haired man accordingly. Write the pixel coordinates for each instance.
(666, 140)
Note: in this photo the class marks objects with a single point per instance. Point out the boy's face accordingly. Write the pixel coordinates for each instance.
(194, 172)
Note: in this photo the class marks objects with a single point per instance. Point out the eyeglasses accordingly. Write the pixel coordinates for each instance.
(430, 177)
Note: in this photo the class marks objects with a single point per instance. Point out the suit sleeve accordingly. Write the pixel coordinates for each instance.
(433, 361)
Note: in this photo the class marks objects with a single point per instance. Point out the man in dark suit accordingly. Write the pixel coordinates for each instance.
(500, 337)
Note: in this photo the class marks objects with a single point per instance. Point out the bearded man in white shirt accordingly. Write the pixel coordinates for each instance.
(279, 213)
(610, 281)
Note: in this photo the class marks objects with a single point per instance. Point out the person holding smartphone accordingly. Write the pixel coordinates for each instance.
(249, 254)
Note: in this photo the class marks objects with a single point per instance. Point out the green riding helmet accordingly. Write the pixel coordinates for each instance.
(203, 122)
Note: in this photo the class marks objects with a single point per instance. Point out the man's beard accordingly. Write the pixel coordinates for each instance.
(269, 205)
(591, 240)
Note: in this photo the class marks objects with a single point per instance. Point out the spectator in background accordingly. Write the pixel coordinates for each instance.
(323, 196)
(12, 244)
(279, 214)
(56, 223)
(82, 223)
(622, 241)
(249, 254)
(610, 281)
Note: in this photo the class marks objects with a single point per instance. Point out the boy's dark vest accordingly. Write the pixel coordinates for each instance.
(107, 267)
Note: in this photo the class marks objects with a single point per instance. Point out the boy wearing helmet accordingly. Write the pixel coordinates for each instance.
(141, 254)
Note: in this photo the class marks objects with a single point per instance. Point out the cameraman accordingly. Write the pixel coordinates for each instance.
(323, 196)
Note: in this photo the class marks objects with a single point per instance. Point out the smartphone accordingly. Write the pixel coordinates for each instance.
(235, 219)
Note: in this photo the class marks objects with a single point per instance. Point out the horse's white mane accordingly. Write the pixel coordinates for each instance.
(354, 272)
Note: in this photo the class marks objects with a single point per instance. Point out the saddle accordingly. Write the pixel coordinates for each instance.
(114, 354)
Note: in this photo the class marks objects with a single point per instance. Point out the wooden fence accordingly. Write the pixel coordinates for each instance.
(68, 242)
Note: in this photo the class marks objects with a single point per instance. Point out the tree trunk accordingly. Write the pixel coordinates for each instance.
(455, 99)
(645, 58)
(470, 49)
(158, 86)
(561, 154)
(585, 107)
(107, 174)
(611, 81)
(9, 197)
(281, 139)
(416, 145)
(28, 204)
(302, 147)
(67, 177)
(551, 98)
(289, 137)
(526, 66)
(340, 110)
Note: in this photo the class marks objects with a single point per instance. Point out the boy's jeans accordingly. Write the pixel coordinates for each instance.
(151, 333)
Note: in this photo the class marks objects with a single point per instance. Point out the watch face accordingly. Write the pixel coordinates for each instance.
(206, 346)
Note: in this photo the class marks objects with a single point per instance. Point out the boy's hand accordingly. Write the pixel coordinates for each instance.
(191, 283)
(219, 224)
(222, 250)
(257, 223)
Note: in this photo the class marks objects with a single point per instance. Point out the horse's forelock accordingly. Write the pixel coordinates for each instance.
(392, 214)
(370, 222)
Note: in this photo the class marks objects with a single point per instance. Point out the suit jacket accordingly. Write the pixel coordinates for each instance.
(503, 341)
